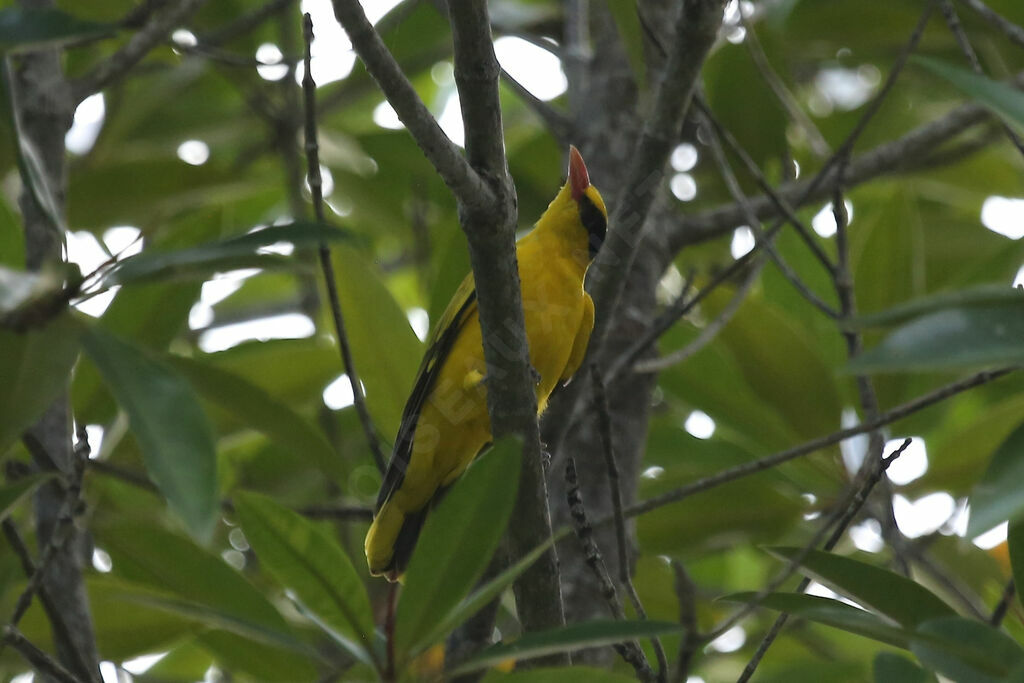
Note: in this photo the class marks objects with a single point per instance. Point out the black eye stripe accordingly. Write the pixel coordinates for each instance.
(595, 223)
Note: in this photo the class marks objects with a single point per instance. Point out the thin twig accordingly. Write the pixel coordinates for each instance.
(42, 662)
(686, 591)
(630, 650)
(604, 420)
(1003, 606)
(316, 189)
(845, 514)
(711, 330)
(957, 29)
(148, 37)
(819, 146)
(1012, 31)
(558, 123)
(777, 459)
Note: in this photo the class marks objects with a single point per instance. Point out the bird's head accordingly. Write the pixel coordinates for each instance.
(583, 203)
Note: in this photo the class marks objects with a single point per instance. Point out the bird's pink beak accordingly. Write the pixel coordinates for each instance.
(579, 179)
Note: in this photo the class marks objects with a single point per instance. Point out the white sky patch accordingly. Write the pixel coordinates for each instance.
(1003, 215)
(85, 250)
(846, 88)
(867, 536)
(854, 448)
(450, 120)
(194, 152)
(338, 394)
(652, 472)
(683, 186)
(1018, 280)
(140, 665)
(911, 465)
(824, 223)
(123, 240)
(684, 157)
(184, 37)
(923, 516)
(533, 67)
(419, 319)
(730, 641)
(384, 115)
(271, 67)
(108, 672)
(95, 435)
(87, 124)
(991, 538)
(699, 425)
(694, 679)
(101, 561)
(742, 241)
(287, 326)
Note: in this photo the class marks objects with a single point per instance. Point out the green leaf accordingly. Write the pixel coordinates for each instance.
(870, 586)
(999, 496)
(575, 674)
(1003, 99)
(484, 594)
(457, 542)
(981, 295)
(574, 637)
(892, 668)
(831, 613)
(231, 254)
(975, 335)
(24, 28)
(266, 663)
(171, 428)
(34, 367)
(171, 572)
(259, 410)
(314, 569)
(1015, 548)
(966, 650)
(385, 350)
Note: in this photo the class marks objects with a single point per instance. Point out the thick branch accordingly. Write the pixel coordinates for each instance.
(118, 64)
(696, 28)
(490, 231)
(444, 154)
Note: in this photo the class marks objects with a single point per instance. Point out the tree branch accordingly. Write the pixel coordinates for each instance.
(442, 153)
(490, 230)
(1012, 31)
(138, 46)
(697, 27)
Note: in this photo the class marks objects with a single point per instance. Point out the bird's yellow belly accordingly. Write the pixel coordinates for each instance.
(454, 425)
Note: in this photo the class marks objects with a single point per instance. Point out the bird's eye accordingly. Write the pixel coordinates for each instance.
(594, 221)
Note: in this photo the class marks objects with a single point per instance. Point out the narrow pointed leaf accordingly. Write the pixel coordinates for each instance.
(312, 567)
(168, 422)
(457, 542)
(257, 409)
(974, 336)
(574, 637)
(870, 586)
(831, 613)
(173, 573)
(890, 667)
(974, 296)
(1003, 99)
(575, 674)
(484, 594)
(967, 650)
(204, 260)
(35, 366)
(999, 496)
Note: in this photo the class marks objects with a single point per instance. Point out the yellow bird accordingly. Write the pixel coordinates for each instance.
(445, 422)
